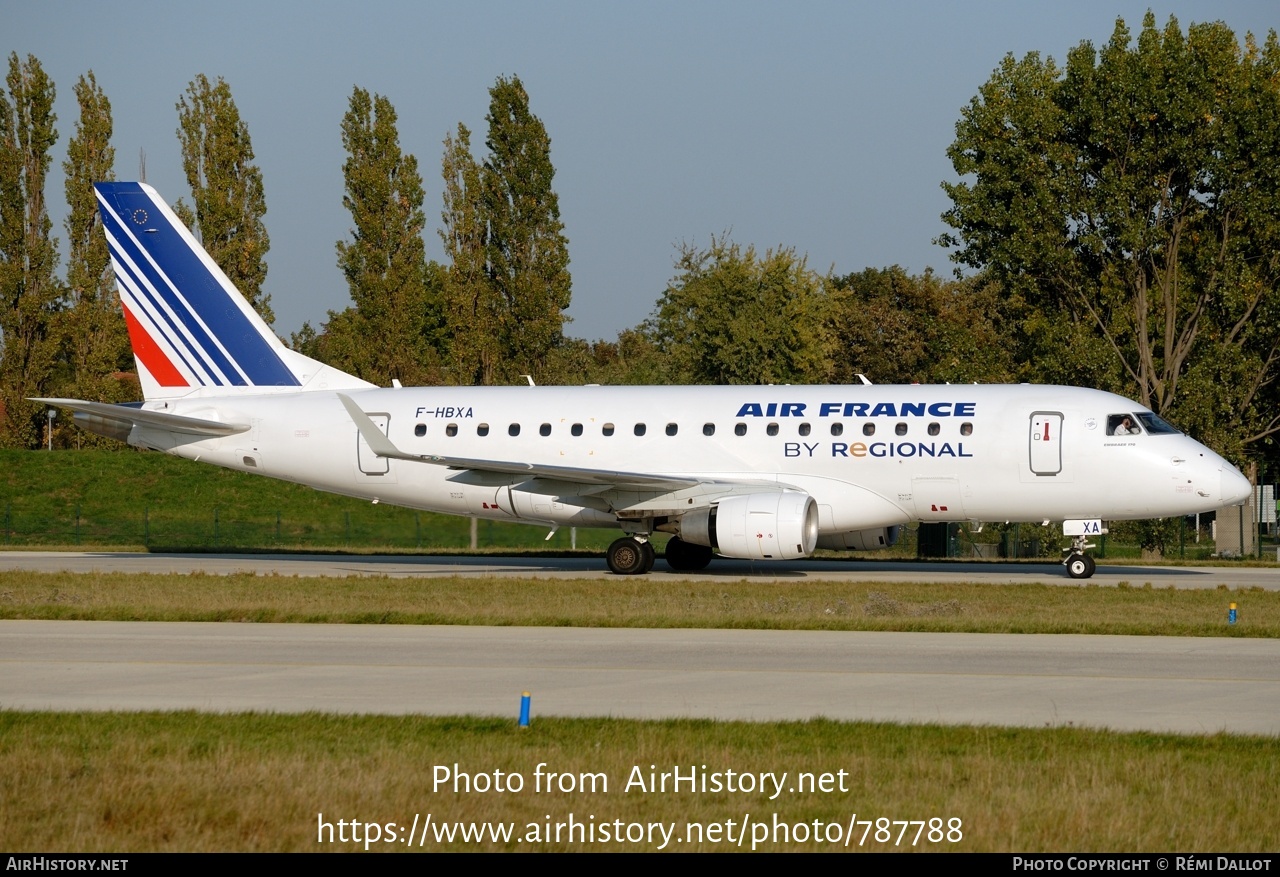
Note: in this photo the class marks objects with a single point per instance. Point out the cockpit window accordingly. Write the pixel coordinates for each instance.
(1156, 426)
(1123, 424)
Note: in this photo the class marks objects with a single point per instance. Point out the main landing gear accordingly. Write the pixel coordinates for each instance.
(630, 556)
(1079, 565)
(634, 555)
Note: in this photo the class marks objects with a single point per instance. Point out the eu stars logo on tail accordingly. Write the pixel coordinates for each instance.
(765, 473)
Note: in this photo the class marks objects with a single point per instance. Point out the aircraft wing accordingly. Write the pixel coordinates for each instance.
(604, 478)
(127, 417)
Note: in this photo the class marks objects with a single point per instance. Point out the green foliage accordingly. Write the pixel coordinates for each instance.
(733, 317)
(633, 359)
(473, 311)
(30, 294)
(391, 331)
(1154, 536)
(899, 329)
(97, 344)
(1132, 201)
(226, 186)
(508, 282)
(527, 252)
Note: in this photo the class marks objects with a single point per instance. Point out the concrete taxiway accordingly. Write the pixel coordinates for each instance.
(594, 567)
(1192, 685)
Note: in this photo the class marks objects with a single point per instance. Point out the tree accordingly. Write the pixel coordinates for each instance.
(473, 313)
(29, 292)
(898, 329)
(732, 317)
(226, 187)
(526, 250)
(1132, 201)
(96, 339)
(391, 331)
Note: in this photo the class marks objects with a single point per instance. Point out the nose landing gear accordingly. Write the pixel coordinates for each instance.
(1079, 565)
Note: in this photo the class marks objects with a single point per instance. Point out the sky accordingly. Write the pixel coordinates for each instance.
(817, 126)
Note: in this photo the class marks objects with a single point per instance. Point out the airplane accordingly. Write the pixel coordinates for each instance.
(758, 472)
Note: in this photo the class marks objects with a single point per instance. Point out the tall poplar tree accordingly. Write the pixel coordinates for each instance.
(389, 333)
(472, 313)
(526, 250)
(97, 343)
(226, 187)
(29, 292)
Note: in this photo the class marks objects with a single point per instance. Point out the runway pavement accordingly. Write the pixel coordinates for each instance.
(1192, 685)
(470, 565)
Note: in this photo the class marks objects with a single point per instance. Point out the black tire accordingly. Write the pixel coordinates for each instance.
(686, 557)
(650, 555)
(626, 557)
(1093, 566)
(1080, 566)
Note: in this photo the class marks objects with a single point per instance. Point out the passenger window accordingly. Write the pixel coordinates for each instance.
(740, 429)
(420, 430)
(900, 429)
(513, 429)
(607, 429)
(708, 429)
(576, 429)
(868, 429)
(482, 429)
(771, 429)
(804, 429)
(451, 429)
(639, 429)
(934, 429)
(672, 429)
(837, 429)
(545, 429)
(966, 429)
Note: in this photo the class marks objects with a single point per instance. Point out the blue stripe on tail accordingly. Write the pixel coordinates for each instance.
(129, 209)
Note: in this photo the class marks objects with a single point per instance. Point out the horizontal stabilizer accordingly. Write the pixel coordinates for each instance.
(127, 416)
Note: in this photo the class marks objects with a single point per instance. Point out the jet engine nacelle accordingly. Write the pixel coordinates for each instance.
(861, 540)
(756, 526)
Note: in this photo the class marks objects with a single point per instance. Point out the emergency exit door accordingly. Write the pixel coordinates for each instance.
(369, 462)
(1046, 442)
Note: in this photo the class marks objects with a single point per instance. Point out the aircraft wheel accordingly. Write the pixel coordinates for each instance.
(1080, 566)
(626, 556)
(685, 556)
(650, 555)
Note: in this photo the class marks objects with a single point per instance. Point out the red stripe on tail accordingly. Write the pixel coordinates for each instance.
(150, 355)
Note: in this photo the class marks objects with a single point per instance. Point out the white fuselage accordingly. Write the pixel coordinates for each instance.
(870, 456)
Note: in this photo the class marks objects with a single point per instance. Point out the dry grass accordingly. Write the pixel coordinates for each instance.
(614, 602)
(185, 781)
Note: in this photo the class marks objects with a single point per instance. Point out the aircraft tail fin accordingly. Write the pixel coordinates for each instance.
(192, 331)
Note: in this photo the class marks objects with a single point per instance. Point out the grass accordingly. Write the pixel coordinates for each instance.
(627, 602)
(184, 781)
(129, 499)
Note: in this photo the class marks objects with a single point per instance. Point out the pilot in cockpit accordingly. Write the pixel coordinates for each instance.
(1122, 424)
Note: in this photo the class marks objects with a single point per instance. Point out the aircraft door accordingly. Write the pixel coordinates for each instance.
(1045, 440)
(369, 462)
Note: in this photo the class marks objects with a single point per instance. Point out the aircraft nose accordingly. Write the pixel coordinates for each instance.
(1235, 487)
